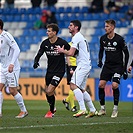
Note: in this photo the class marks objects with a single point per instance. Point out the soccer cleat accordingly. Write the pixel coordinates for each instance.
(49, 114)
(0, 115)
(80, 113)
(22, 114)
(102, 112)
(114, 114)
(74, 109)
(66, 104)
(91, 114)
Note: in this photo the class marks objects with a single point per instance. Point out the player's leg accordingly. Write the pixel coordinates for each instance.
(87, 98)
(67, 100)
(89, 103)
(52, 82)
(76, 81)
(101, 94)
(51, 100)
(13, 85)
(2, 84)
(1, 98)
(104, 77)
(116, 94)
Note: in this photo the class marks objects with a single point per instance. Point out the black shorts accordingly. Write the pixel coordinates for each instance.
(53, 78)
(68, 73)
(111, 73)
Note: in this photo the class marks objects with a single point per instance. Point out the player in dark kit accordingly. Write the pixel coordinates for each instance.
(114, 46)
(56, 64)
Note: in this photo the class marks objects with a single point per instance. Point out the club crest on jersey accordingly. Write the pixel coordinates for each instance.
(52, 47)
(114, 43)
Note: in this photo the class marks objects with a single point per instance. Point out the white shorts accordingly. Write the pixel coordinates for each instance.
(9, 79)
(80, 76)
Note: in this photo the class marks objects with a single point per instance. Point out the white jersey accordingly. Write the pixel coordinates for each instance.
(81, 44)
(9, 52)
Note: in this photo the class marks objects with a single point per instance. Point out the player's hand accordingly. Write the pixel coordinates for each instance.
(129, 69)
(100, 64)
(125, 75)
(60, 49)
(71, 70)
(10, 68)
(36, 64)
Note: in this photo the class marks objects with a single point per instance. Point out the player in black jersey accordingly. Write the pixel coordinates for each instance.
(56, 64)
(114, 46)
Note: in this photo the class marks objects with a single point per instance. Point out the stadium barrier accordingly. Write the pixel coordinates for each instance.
(33, 89)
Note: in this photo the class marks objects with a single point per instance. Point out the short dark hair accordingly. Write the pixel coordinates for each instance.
(76, 23)
(111, 21)
(1, 24)
(54, 27)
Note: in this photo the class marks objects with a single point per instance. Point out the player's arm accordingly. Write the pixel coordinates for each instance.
(130, 67)
(100, 54)
(66, 52)
(16, 51)
(126, 53)
(38, 56)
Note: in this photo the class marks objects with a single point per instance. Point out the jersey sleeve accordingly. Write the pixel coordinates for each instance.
(125, 51)
(66, 45)
(13, 44)
(101, 49)
(40, 52)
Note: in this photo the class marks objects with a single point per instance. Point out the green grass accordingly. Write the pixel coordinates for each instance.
(63, 122)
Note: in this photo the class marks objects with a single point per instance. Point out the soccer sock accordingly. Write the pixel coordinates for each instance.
(88, 101)
(71, 98)
(102, 96)
(19, 99)
(80, 98)
(51, 101)
(116, 94)
(1, 101)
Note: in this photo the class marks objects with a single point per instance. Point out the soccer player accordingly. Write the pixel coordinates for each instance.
(81, 73)
(114, 46)
(130, 67)
(10, 69)
(70, 68)
(56, 64)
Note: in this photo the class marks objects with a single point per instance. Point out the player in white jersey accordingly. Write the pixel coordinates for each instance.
(80, 75)
(10, 69)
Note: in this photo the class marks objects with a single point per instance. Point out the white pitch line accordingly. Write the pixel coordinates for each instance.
(61, 125)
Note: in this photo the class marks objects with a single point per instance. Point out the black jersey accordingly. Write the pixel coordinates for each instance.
(113, 48)
(56, 61)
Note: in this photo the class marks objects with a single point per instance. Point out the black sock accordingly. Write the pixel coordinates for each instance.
(51, 101)
(102, 96)
(116, 94)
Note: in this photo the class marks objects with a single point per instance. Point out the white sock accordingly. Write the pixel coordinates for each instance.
(103, 107)
(19, 99)
(79, 96)
(88, 101)
(115, 107)
(1, 102)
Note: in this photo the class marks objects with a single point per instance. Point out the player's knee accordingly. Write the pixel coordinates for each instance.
(115, 85)
(102, 84)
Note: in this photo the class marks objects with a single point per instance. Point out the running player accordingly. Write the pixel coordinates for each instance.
(56, 64)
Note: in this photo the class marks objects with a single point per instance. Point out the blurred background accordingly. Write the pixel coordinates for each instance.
(26, 20)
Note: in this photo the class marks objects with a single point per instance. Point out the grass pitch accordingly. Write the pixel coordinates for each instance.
(63, 122)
